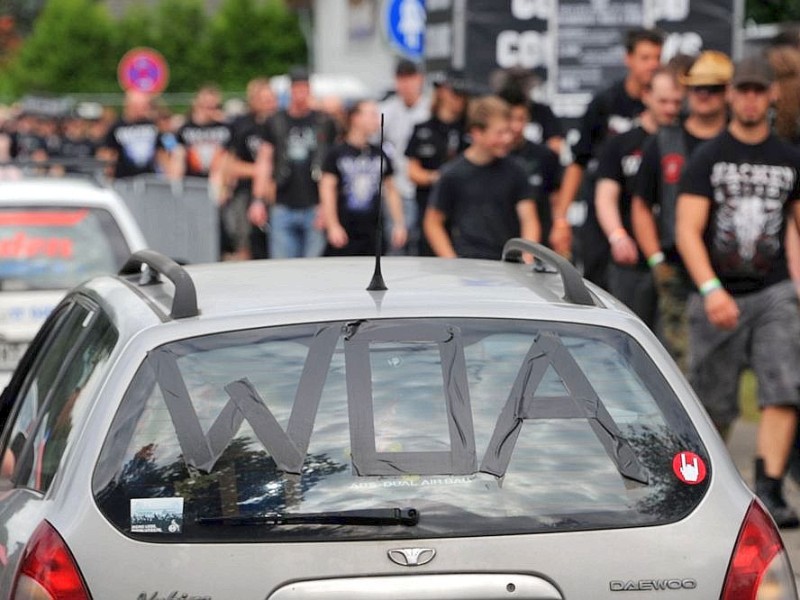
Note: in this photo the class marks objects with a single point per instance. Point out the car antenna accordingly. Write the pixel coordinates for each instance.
(377, 284)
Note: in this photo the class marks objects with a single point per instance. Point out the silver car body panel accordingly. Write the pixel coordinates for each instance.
(283, 292)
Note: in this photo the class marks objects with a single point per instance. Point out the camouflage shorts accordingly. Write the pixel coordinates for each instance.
(673, 287)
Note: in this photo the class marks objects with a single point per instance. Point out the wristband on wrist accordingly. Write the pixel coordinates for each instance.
(709, 286)
(618, 234)
(655, 259)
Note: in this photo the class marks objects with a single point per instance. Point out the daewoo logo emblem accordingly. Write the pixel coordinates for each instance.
(411, 557)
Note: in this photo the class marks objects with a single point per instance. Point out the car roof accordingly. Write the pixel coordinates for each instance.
(69, 192)
(57, 191)
(330, 288)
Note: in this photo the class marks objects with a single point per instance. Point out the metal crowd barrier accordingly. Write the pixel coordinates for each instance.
(178, 218)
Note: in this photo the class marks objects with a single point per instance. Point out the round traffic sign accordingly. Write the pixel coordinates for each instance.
(143, 69)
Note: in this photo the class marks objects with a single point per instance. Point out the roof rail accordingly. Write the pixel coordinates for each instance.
(184, 303)
(575, 290)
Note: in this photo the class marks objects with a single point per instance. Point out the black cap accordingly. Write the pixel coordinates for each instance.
(754, 71)
(406, 68)
(298, 74)
(455, 80)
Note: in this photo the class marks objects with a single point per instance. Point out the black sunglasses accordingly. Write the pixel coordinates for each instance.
(708, 89)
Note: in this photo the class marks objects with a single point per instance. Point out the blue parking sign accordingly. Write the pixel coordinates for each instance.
(405, 27)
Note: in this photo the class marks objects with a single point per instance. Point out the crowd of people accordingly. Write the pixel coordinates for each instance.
(689, 170)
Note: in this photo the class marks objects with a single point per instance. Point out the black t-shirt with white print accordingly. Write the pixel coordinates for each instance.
(299, 144)
(358, 171)
(611, 112)
(247, 135)
(750, 187)
(136, 144)
(202, 143)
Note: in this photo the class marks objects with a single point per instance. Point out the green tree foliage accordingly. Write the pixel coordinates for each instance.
(253, 39)
(72, 48)
(76, 45)
(773, 11)
(179, 30)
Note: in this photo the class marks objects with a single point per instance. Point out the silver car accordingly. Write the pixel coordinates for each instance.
(481, 430)
(54, 234)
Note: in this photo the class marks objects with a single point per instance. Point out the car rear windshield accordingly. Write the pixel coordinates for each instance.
(53, 248)
(470, 426)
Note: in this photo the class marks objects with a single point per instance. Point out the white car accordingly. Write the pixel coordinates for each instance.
(54, 234)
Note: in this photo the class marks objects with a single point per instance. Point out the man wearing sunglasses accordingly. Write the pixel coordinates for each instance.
(736, 196)
(656, 193)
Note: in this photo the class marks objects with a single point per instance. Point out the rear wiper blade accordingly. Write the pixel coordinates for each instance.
(370, 517)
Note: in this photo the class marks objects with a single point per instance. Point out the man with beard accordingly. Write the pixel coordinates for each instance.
(656, 193)
(737, 193)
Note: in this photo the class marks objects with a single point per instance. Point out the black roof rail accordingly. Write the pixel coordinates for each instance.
(184, 303)
(575, 290)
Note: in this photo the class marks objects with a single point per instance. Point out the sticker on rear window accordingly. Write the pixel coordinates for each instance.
(689, 468)
(156, 515)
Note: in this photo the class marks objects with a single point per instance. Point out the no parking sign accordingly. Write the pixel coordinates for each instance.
(144, 70)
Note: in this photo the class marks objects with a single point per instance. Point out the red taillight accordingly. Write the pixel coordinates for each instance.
(48, 570)
(759, 567)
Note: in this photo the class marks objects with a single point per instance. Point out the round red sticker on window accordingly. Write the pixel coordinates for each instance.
(689, 468)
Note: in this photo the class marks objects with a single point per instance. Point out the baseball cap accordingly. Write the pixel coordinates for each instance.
(753, 70)
(455, 80)
(298, 74)
(405, 68)
(710, 68)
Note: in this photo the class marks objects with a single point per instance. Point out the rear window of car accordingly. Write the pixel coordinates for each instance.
(454, 427)
(54, 248)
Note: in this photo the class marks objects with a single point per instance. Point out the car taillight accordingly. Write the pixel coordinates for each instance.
(759, 568)
(48, 570)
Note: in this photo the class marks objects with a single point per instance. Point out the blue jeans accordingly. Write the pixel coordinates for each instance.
(292, 232)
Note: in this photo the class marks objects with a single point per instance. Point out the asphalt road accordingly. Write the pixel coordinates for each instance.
(742, 445)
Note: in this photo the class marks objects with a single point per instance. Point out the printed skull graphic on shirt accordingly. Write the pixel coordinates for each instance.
(749, 219)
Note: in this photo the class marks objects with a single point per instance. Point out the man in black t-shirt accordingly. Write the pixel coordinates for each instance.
(243, 235)
(435, 142)
(541, 165)
(609, 113)
(656, 193)
(350, 188)
(25, 144)
(298, 139)
(133, 143)
(736, 194)
(628, 276)
(483, 194)
(203, 138)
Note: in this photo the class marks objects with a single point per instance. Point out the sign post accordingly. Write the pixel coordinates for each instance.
(143, 70)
